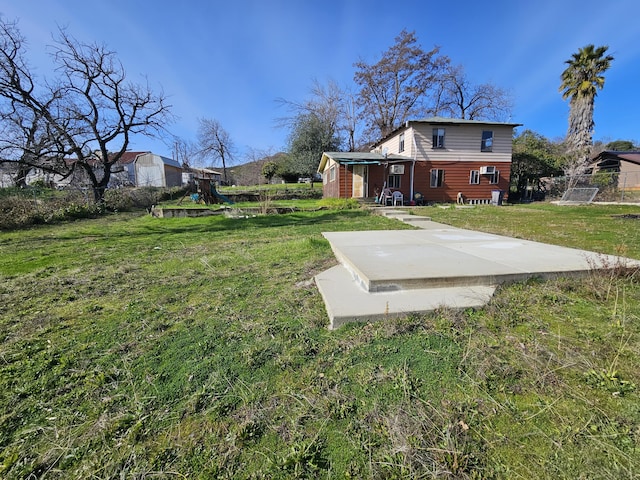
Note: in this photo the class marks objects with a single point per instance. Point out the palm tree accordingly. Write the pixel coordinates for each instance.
(580, 82)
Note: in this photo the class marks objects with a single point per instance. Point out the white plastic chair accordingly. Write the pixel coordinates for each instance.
(386, 197)
(398, 197)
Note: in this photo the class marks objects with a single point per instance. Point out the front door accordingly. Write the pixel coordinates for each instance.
(360, 187)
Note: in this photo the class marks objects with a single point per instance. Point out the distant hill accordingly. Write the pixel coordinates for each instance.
(251, 173)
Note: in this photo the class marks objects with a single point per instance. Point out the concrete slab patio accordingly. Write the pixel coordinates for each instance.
(394, 272)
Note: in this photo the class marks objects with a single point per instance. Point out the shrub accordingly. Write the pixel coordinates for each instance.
(340, 203)
(118, 200)
(16, 211)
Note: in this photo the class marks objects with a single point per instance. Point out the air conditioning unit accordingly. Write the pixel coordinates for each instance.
(396, 169)
(487, 170)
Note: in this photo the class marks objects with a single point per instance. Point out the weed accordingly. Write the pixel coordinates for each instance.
(609, 381)
(340, 203)
(266, 202)
(303, 459)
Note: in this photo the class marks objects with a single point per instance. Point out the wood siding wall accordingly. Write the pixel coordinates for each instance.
(462, 143)
(456, 179)
(629, 176)
(342, 184)
(173, 176)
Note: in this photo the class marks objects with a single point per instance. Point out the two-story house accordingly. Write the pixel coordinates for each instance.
(442, 159)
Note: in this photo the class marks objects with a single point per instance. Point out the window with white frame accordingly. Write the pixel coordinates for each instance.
(474, 177)
(495, 178)
(394, 181)
(438, 138)
(401, 140)
(437, 178)
(487, 141)
(332, 173)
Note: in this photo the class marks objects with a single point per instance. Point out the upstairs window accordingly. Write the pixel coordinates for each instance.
(401, 147)
(487, 141)
(437, 178)
(474, 177)
(438, 138)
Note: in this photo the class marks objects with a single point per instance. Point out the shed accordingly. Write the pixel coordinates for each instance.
(153, 170)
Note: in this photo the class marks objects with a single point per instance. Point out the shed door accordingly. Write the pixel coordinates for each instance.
(360, 187)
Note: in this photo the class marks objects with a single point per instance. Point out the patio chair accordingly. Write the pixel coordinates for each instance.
(398, 197)
(386, 197)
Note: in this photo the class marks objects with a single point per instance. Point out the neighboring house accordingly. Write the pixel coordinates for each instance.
(193, 175)
(8, 172)
(140, 169)
(626, 164)
(440, 158)
(123, 173)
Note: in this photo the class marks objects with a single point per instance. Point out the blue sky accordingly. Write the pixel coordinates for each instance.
(231, 60)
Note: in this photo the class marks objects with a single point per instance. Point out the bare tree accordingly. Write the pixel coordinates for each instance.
(458, 97)
(215, 143)
(91, 111)
(27, 145)
(328, 103)
(397, 87)
(26, 141)
(350, 122)
(184, 152)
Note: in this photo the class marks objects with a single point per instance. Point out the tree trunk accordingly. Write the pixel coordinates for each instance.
(20, 178)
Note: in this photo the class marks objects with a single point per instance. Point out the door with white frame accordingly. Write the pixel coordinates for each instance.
(360, 181)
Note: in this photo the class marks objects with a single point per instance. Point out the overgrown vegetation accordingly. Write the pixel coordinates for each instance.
(136, 347)
(38, 205)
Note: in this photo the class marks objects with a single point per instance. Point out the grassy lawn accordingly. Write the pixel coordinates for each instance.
(137, 347)
(600, 228)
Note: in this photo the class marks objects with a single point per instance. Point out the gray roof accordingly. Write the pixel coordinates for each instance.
(365, 157)
(170, 161)
(459, 121)
(631, 156)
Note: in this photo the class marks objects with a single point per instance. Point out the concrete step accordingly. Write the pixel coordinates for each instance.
(346, 301)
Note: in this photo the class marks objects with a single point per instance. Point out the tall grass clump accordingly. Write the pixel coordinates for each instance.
(340, 203)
